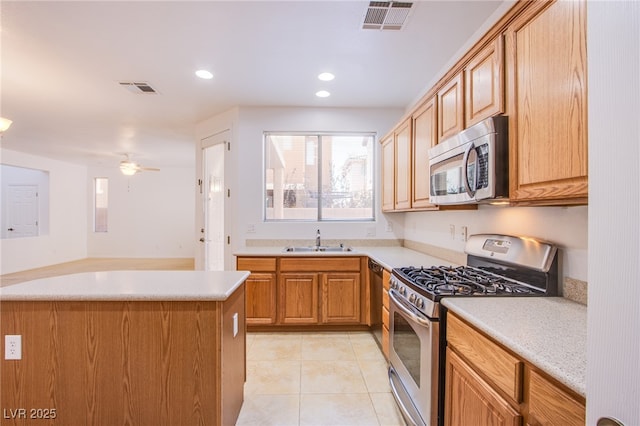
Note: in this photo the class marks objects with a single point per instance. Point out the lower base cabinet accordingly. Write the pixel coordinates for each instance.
(487, 385)
(469, 400)
(305, 291)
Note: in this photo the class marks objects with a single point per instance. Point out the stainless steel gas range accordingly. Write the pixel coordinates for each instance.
(497, 266)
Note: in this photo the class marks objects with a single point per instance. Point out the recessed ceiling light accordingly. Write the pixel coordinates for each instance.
(204, 74)
(326, 76)
(322, 94)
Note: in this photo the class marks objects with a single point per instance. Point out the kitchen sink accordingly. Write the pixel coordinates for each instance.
(322, 249)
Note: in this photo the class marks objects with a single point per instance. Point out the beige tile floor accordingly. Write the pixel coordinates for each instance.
(329, 379)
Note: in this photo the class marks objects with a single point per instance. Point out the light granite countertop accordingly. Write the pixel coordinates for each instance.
(130, 285)
(388, 256)
(548, 332)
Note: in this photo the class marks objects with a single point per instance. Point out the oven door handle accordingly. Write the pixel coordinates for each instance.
(417, 316)
(465, 170)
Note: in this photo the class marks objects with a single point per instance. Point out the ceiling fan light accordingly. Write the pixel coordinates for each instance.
(128, 169)
(5, 123)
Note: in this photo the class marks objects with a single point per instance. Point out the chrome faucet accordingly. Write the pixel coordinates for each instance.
(318, 239)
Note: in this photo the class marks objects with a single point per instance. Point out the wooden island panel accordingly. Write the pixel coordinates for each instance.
(125, 362)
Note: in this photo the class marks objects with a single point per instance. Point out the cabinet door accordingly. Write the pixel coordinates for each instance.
(484, 83)
(261, 298)
(546, 70)
(550, 405)
(450, 108)
(298, 298)
(341, 298)
(425, 136)
(402, 136)
(469, 400)
(388, 174)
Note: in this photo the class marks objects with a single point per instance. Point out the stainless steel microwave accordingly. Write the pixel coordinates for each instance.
(472, 166)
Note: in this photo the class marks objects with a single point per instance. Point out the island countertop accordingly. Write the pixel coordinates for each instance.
(130, 285)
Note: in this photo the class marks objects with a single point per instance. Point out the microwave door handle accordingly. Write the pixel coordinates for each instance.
(465, 171)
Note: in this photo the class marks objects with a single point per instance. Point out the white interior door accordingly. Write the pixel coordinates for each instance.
(22, 211)
(214, 194)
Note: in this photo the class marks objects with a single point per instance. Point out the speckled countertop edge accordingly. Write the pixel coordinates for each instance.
(548, 332)
(129, 286)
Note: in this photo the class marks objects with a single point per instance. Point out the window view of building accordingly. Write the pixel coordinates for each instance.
(319, 176)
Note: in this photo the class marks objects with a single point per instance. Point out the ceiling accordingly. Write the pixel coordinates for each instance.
(62, 63)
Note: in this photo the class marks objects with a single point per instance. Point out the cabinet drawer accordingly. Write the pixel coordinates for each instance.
(266, 264)
(318, 264)
(549, 404)
(385, 318)
(385, 299)
(500, 367)
(386, 276)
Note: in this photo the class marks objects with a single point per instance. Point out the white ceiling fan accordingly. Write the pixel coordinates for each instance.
(130, 168)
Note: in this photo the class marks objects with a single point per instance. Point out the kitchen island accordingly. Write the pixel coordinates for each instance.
(125, 347)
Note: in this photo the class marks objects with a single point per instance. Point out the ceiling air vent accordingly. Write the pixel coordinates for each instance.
(138, 87)
(386, 15)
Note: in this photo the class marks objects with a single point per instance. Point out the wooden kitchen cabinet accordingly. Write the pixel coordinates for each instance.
(546, 63)
(320, 291)
(298, 298)
(550, 405)
(341, 298)
(402, 166)
(260, 289)
(305, 291)
(484, 83)
(486, 384)
(388, 174)
(385, 313)
(469, 400)
(425, 136)
(451, 107)
(396, 168)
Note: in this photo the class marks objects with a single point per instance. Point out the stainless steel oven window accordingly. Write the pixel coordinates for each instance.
(406, 344)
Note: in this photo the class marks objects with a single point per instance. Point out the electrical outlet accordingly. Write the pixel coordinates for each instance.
(12, 346)
(452, 231)
(463, 233)
(389, 227)
(251, 228)
(235, 324)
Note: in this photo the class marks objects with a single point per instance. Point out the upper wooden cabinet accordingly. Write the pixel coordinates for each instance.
(425, 136)
(484, 83)
(388, 174)
(402, 137)
(530, 66)
(547, 83)
(396, 169)
(450, 107)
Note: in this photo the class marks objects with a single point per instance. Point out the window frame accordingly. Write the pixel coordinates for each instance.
(319, 218)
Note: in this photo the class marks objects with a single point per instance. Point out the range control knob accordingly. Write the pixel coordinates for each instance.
(402, 290)
(420, 302)
(412, 298)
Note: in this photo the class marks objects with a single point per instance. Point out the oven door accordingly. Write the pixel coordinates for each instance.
(413, 357)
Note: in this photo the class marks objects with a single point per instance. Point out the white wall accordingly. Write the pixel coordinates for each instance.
(67, 236)
(613, 331)
(564, 226)
(252, 122)
(150, 214)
